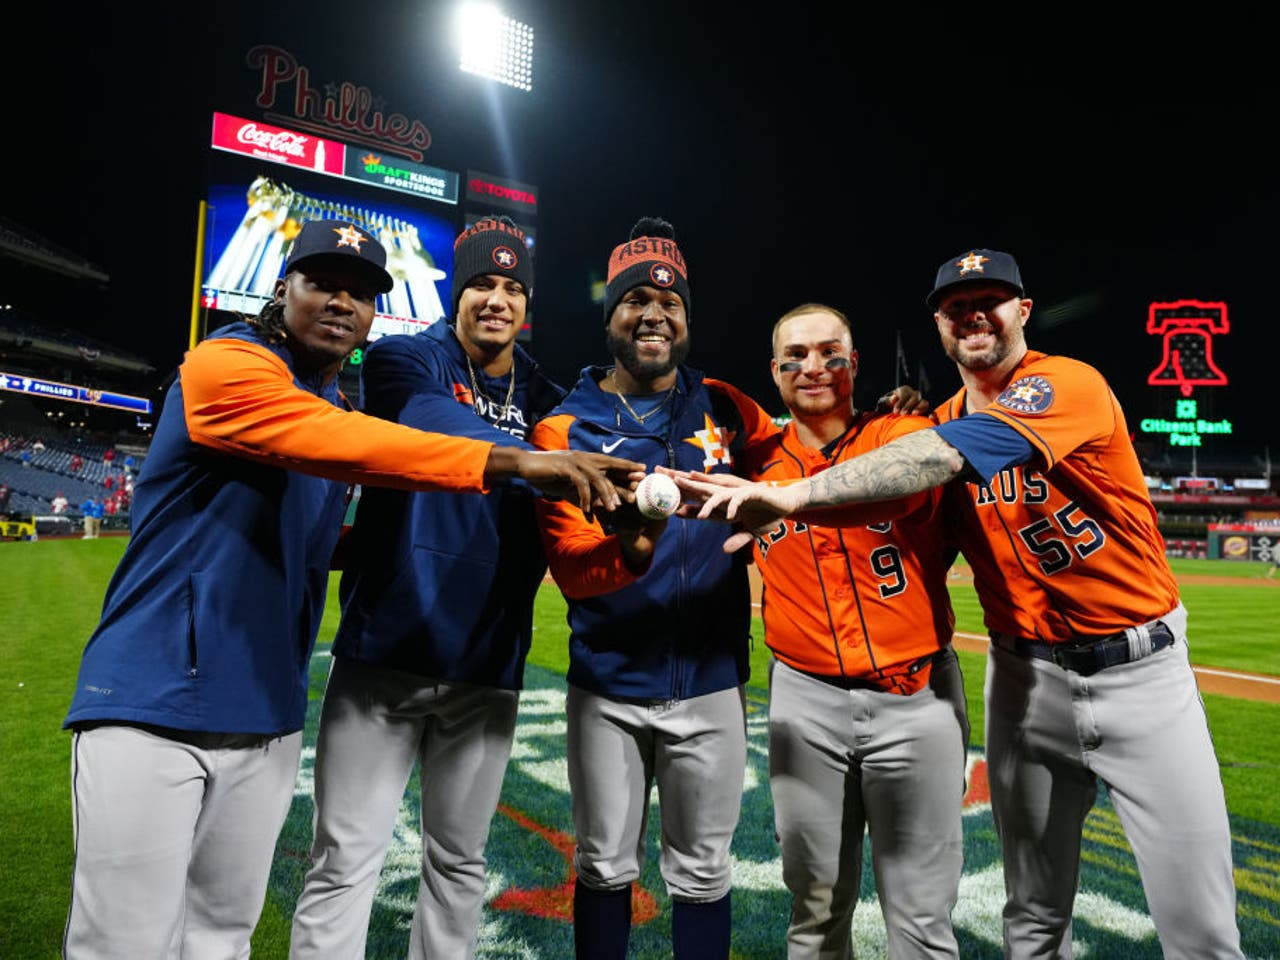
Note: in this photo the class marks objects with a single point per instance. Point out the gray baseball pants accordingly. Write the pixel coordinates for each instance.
(1140, 728)
(694, 750)
(842, 762)
(374, 724)
(175, 833)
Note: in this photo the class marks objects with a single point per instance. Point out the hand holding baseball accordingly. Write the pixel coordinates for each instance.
(638, 527)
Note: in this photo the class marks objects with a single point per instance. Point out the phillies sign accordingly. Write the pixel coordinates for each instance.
(346, 108)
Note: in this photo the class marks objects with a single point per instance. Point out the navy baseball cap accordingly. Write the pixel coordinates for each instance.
(977, 264)
(343, 244)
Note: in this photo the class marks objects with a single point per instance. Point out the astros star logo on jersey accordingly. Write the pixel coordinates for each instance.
(971, 261)
(714, 442)
(1027, 395)
(349, 237)
(504, 257)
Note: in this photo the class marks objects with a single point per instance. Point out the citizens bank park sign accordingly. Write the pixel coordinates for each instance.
(352, 114)
(1186, 329)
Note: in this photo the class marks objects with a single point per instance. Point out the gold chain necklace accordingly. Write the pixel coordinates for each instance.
(477, 392)
(623, 397)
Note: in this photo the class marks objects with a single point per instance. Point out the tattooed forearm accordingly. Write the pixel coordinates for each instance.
(908, 465)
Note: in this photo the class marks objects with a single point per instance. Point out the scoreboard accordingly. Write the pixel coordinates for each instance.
(265, 181)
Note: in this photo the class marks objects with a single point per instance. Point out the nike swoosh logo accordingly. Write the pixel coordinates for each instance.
(610, 447)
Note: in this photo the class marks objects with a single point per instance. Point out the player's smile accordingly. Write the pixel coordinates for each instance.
(980, 325)
(652, 341)
(978, 335)
(492, 321)
(328, 313)
(814, 364)
(648, 333)
(491, 311)
(340, 328)
(816, 390)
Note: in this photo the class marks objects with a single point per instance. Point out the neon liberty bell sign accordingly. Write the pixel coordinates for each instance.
(1186, 329)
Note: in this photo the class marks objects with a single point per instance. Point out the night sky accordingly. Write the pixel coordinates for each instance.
(800, 156)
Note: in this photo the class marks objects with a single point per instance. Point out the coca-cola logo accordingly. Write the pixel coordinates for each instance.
(277, 141)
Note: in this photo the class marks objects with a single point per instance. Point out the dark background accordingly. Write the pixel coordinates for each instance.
(802, 154)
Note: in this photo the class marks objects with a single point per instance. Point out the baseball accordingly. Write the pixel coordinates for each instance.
(657, 496)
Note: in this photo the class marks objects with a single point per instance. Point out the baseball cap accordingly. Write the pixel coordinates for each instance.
(976, 264)
(343, 244)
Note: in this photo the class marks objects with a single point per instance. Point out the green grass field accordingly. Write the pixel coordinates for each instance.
(51, 595)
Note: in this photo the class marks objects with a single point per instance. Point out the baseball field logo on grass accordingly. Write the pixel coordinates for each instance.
(528, 903)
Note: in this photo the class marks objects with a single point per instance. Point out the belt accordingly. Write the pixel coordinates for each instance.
(1087, 656)
(882, 684)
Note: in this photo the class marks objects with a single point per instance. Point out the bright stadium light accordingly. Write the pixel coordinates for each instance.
(495, 46)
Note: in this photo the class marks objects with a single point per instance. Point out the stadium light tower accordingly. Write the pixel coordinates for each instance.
(495, 46)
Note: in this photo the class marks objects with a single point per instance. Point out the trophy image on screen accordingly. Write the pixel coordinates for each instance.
(247, 267)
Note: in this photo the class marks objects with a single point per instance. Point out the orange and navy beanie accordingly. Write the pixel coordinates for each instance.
(491, 245)
(649, 259)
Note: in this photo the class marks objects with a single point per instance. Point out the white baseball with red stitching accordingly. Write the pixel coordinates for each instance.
(657, 496)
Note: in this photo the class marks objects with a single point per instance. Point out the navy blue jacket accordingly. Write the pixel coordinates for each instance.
(442, 584)
(682, 629)
(210, 618)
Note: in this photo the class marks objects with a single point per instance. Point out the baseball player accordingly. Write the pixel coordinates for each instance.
(1088, 676)
(415, 678)
(659, 619)
(192, 691)
(868, 726)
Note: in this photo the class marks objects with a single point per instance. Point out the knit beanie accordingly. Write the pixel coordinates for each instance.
(491, 245)
(651, 259)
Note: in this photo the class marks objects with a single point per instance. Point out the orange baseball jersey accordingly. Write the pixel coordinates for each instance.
(1066, 544)
(867, 601)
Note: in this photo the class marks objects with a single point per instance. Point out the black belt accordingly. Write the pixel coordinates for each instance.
(1087, 657)
(882, 684)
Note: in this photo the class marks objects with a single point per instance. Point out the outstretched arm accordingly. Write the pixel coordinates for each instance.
(586, 479)
(910, 464)
(918, 461)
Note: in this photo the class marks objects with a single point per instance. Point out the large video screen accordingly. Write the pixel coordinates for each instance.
(256, 210)
(266, 181)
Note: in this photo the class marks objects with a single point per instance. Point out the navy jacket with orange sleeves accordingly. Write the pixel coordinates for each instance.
(210, 619)
(681, 629)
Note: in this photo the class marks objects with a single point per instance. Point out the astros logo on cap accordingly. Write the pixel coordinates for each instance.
(971, 262)
(349, 237)
(504, 257)
(662, 275)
